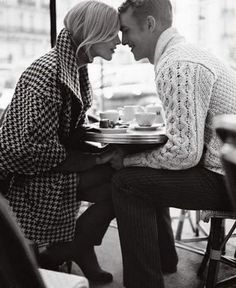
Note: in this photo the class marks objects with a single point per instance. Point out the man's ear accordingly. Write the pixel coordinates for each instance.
(151, 23)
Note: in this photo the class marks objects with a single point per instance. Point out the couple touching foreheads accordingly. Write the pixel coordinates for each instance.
(52, 172)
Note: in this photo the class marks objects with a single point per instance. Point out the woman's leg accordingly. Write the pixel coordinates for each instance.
(95, 187)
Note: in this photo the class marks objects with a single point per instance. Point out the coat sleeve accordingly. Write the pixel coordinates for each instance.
(29, 142)
(185, 89)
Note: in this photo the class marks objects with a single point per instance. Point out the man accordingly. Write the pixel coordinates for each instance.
(185, 172)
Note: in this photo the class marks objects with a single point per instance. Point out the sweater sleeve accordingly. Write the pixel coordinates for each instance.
(29, 142)
(185, 90)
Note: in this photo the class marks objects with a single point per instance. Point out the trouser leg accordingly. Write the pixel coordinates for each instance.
(137, 192)
(168, 254)
(139, 241)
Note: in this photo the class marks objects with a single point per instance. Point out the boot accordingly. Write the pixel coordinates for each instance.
(86, 259)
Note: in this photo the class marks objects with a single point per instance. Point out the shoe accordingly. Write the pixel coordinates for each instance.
(88, 263)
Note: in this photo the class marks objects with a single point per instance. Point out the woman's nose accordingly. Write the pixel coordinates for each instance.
(118, 40)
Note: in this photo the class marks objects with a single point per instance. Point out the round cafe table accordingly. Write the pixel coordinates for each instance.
(126, 136)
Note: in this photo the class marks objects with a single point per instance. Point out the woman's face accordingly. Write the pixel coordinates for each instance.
(105, 49)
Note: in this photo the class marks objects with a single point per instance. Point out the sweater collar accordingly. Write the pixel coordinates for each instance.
(167, 39)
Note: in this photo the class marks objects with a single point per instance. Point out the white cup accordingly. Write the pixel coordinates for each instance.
(129, 111)
(145, 119)
(111, 115)
(158, 109)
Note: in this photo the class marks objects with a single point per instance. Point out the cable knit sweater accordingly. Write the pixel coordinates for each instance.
(193, 86)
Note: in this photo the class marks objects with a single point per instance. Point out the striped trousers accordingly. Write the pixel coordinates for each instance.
(138, 194)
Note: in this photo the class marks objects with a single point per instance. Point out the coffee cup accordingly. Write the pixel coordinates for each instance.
(145, 119)
(129, 111)
(111, 115)
(158, 110)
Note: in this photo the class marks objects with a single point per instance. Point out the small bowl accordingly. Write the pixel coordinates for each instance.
(145, 119)
(111, 115)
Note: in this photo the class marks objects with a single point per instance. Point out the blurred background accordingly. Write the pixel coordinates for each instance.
(25, 36)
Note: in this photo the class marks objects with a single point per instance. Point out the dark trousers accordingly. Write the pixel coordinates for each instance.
(95, 187)
(138, 193)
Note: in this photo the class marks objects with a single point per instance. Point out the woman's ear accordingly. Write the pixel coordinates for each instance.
(151, 23)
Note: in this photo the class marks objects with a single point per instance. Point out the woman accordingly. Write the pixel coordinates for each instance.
(39, 143)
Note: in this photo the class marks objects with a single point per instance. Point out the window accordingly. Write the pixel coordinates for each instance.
(22, 40)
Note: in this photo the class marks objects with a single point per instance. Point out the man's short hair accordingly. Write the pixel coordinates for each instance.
(160, 9)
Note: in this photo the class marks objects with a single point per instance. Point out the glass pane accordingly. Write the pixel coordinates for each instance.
(121, 81)
(24, 36)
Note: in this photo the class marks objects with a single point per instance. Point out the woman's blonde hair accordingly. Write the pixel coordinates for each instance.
(91, 22)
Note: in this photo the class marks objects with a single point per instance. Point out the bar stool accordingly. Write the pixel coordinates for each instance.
(215, 246)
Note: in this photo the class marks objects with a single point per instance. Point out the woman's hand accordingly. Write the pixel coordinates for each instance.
(105, 156)
(118, 157)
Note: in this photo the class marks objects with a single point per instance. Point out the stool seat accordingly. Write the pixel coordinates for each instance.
(206, 215)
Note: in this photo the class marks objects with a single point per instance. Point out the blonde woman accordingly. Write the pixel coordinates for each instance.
(40, 139)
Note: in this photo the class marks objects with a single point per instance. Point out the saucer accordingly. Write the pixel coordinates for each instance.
(147, 128)
(116, 130)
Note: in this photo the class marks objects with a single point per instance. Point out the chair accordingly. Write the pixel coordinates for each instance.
(215, 247)
(18, 267)
(196, 227)
(225, 126)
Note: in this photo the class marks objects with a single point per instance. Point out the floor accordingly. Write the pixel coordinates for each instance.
(109, 256)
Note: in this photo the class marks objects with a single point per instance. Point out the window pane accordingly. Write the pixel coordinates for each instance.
(24, 36)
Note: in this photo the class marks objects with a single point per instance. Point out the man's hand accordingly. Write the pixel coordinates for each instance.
(117, 160)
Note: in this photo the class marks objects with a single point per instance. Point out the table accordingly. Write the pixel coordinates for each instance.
(132, 136)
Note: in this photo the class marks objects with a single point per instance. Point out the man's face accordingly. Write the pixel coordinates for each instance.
(134, 35)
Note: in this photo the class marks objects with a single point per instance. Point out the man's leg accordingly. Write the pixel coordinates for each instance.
(168, 254)
(138, 233)
(136, 194)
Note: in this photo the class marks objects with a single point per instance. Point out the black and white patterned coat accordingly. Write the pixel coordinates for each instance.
(30, 143)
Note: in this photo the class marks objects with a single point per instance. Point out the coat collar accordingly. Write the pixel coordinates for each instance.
(68, 70)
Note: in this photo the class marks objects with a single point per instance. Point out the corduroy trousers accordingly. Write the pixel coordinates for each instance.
(139, 194)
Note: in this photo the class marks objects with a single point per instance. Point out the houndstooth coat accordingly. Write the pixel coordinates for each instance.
(30, 143)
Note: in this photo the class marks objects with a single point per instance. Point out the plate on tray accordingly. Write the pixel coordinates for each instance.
(116, 130)
(147, 128)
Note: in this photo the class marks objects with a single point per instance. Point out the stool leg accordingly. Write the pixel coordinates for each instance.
(198, 218)
(215, 254)
(180, 225)
(205, 259)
